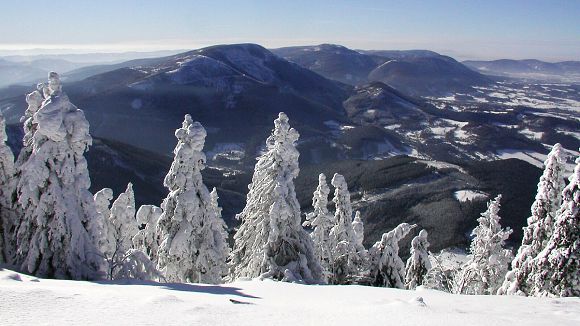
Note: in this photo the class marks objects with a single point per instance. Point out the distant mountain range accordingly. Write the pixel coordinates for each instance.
(236, 91)
(529, 69)
(415, 72)
(29, 69)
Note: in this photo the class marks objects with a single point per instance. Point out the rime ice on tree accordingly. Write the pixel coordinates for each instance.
(321, 221)
(7, 184)
(540, 223)
(146, 239)
(556, 270)
(348, 260)
(488, 261)
(271, 242)
(387, 268)
(418, 265)
(214, 248)
(58, 232)
(188, 212)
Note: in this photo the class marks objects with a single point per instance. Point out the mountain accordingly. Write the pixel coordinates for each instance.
(445, 199)
(529, 69)
(235, 91)
(335, 62)
(427, 76)
(401, 54)
(414, 72)
(16, 73)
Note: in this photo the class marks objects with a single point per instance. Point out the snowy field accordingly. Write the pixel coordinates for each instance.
(27, 300)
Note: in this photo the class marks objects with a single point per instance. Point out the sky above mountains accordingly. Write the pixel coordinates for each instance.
(518, 29)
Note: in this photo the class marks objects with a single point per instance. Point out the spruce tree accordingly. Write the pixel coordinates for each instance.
(270, 242)
(321, 221)
(121, 228)
(418, 264)
(488, 261)
(556, 270)
(146, 239)
(387, 268)
(540, 223)
(214, 248)
(58, 233)
(7, 185)
(348, 261)
(187, 211)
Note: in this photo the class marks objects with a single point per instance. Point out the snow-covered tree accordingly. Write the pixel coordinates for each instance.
(540, 223)
(7, 184)
(321, 220)
(359, 229)
(121, 227)
(102, 200)
(556, 270)
(270, 242)
(348, 262)
(58, 232)
(214, 248)
(443, 274)
(146, 239)
(488, 261)
(418, 264)
(387, 268)
(182, 228)
(34, 101)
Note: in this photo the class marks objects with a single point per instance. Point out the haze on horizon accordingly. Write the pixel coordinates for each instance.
(517, 29)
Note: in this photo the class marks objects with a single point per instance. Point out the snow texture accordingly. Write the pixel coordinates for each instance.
(57, 302)
(387, 268)
(270, 242)
(418, 264)
(488, 261)
(188, 221)
(540, 224)
(58, 233)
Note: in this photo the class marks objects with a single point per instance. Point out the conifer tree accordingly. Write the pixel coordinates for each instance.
(556, 270)
(418, 264)
(7, 185)
(540, 223)
(387, 268)
(58, 233)
(146, 239)
(187, 211)
(348, 261)
(214, 248)
(270, 242)
(488, 261)
(321, 221)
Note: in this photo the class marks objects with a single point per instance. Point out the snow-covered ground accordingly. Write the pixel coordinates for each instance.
(470, 195)
(27, 300)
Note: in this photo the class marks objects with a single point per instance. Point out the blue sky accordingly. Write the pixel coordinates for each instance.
(548, 30)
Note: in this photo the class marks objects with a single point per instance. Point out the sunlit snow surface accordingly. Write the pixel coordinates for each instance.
(29, 301)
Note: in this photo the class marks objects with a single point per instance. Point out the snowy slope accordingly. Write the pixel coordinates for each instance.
(30, 301)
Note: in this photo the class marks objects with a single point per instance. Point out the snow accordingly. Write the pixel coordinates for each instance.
(521, 155)
(58, 302)
(465, 195)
